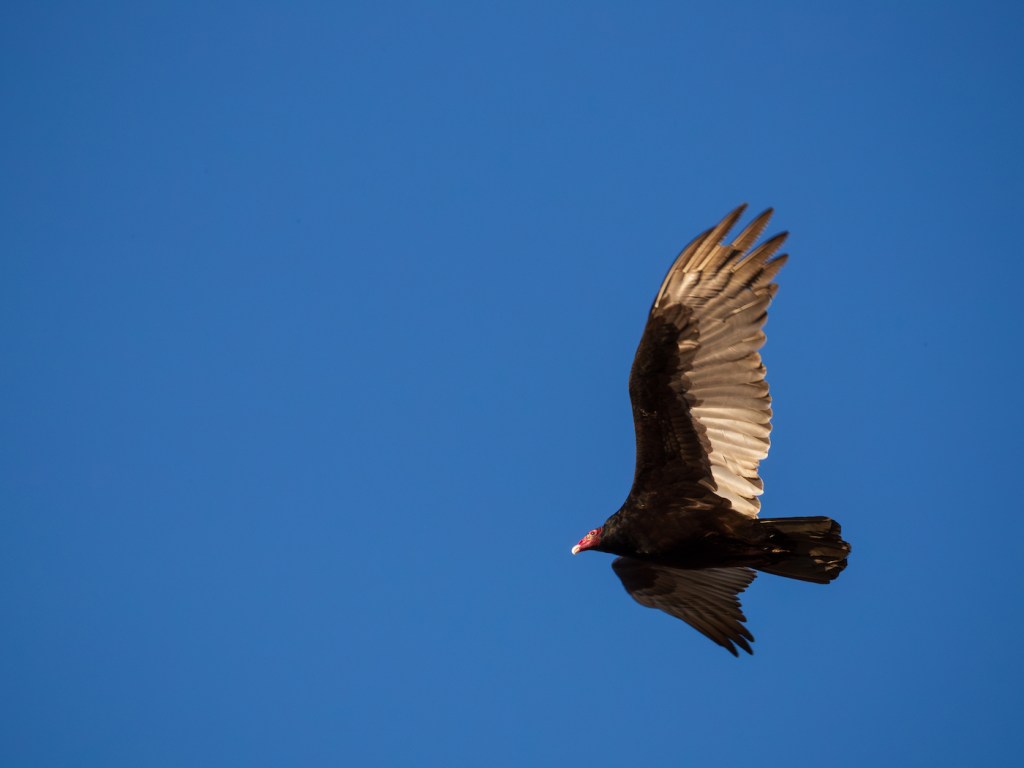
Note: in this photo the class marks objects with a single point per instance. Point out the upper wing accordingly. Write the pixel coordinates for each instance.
(707, 600)
(700, 402)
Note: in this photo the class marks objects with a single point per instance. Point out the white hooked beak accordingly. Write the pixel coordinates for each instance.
(576, 549)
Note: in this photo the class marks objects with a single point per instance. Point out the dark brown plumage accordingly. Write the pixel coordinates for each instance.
(688, 534)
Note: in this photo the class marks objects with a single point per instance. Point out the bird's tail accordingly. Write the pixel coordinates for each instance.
(805, 548)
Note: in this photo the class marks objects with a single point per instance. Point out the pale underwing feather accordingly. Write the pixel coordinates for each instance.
(715, 296)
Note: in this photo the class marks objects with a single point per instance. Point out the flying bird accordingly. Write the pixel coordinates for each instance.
(688, 536)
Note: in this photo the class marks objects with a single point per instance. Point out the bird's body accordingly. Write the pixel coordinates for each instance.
(683, 538)
(688, 535)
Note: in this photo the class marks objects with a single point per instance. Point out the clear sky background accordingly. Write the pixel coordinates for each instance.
(316, 324)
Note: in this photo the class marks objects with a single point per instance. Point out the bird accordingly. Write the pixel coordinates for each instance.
(688, 537)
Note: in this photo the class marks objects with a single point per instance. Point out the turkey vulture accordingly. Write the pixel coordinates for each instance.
(688, 537)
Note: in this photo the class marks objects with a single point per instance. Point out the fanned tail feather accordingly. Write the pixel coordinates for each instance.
(805, 548)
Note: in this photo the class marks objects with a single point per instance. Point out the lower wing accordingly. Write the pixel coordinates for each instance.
(707, 600)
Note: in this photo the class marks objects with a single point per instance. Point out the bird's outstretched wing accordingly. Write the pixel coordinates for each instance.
(701, 407)
(707, 600)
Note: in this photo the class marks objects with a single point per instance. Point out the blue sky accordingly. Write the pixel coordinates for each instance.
(317, 318)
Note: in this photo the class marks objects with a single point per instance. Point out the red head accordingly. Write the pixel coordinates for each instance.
(589, 541)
